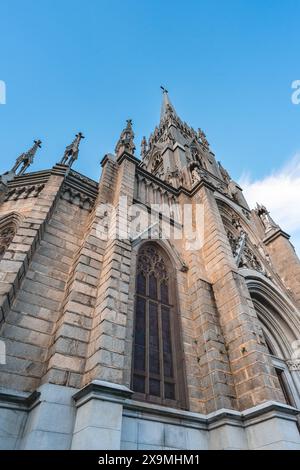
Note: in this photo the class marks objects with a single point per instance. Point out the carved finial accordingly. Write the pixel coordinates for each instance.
(26, 159)
(224, 173)
(72, 150)
(265, 217)
(143, 146)
(125, 142)
(203, 138)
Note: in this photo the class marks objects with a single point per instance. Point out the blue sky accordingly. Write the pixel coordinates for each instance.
(70, 65)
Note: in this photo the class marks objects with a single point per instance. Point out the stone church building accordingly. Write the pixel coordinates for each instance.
(151, 310)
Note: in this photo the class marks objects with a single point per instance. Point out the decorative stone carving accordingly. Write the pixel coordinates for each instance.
(237, 246)
(263, 253)
(236, 222)
(182, 178)
(202, 138)
(246, 214)
(144, 147)
(72, 150)
(151, 261)
(168, 176)
(250, 260)
(24, 192)
(22, 162)
(197, 157)
(234, 243)
(293, 364)
(242, 253)
(167, 137)
(6, 235)
(265, 218)
(76, 197)
(196, 175)
(225, 175)
(157, 161)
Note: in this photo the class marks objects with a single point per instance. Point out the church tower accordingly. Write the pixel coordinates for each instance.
(151, 310)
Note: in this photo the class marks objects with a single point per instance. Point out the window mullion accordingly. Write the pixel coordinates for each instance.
(174, 358)
(161, 351)
(147, 352)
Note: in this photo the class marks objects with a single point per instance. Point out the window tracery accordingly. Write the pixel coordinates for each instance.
(6, 235)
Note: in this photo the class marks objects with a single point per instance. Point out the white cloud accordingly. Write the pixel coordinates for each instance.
(280, 193)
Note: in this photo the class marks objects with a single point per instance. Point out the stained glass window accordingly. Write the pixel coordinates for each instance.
(155, 377)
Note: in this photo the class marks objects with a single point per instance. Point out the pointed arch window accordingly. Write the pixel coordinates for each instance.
(8, 228)
(281, 372)
(157, 374)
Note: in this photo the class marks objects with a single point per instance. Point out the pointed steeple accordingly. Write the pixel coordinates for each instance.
(166, 107)
(175, 152)
(125, 141)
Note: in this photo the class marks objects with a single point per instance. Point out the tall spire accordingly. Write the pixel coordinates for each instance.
(175, 152)
(72, 150)
(166, 106)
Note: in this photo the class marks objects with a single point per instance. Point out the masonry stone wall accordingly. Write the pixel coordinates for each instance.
(287, 264)
(31, 321)
(67, 292)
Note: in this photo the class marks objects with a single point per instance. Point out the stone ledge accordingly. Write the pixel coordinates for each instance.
(257, 414)
(108, 391)
(102, 390)
(13, 399)
(270, 238)
(163, 414)
(269, 410)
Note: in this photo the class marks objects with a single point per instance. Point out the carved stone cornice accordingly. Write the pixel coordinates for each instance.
(141, 172)
(24, 192)
(79, 190)
(37, 177)
(76, 197)
(19, 400)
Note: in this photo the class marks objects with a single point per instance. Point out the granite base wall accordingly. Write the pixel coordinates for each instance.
(102, 416)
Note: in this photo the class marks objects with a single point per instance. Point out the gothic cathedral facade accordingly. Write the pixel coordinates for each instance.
(151, 310)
